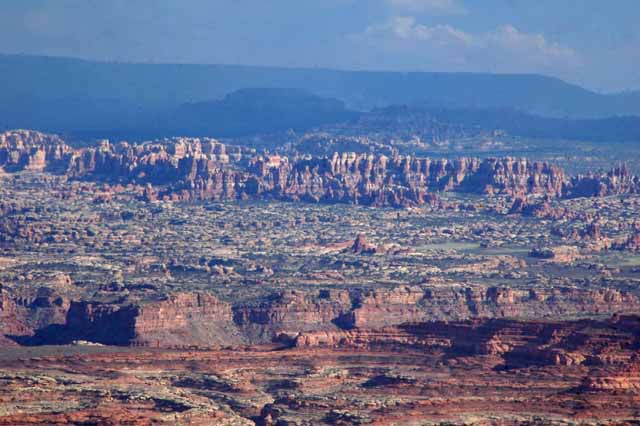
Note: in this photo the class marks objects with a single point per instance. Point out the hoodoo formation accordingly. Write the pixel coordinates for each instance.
(189, 169)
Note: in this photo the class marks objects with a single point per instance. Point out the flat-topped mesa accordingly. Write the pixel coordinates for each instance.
(381, 307)
(185, 320)
(202, 320)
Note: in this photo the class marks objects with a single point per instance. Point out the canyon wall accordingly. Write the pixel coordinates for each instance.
(202, 320)
(609, 346)
(179, 320)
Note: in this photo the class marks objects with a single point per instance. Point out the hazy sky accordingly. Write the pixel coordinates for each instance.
(595, 43)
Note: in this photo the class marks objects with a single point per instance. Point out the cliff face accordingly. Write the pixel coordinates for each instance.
(109, 324)
(181, 320)
(618, 180)
(189, 171)
(185, 320)
(203, 169)
(401, 180)
(201, 320)
(381, 308)
(157, 163)
(617, 373)
(12, 320)
(296, 312)
(25, 317)
(291, 312)
(609, 346)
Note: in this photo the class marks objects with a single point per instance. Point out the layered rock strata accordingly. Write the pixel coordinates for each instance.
(610, 346)
(202, 320)
(180, 320)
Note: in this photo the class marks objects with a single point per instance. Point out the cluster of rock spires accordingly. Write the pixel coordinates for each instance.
(186, 169)
(31, 150)
(617, 181)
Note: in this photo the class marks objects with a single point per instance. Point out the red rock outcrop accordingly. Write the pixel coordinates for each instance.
(593, 231)
(180, 320)
(362, 246)
(620, 375)
(32, 150)
(558, 254)
(618, 180)
(518, 343)
(201, 320)
(400, 180)
(189, 169)
(631, 243)
(12, 321)
(23, 315)
(185, 320)
(379, 308)
(291, 312)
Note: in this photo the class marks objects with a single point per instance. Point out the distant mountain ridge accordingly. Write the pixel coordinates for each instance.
(72, 95)
(610, 129)
(255, 110)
